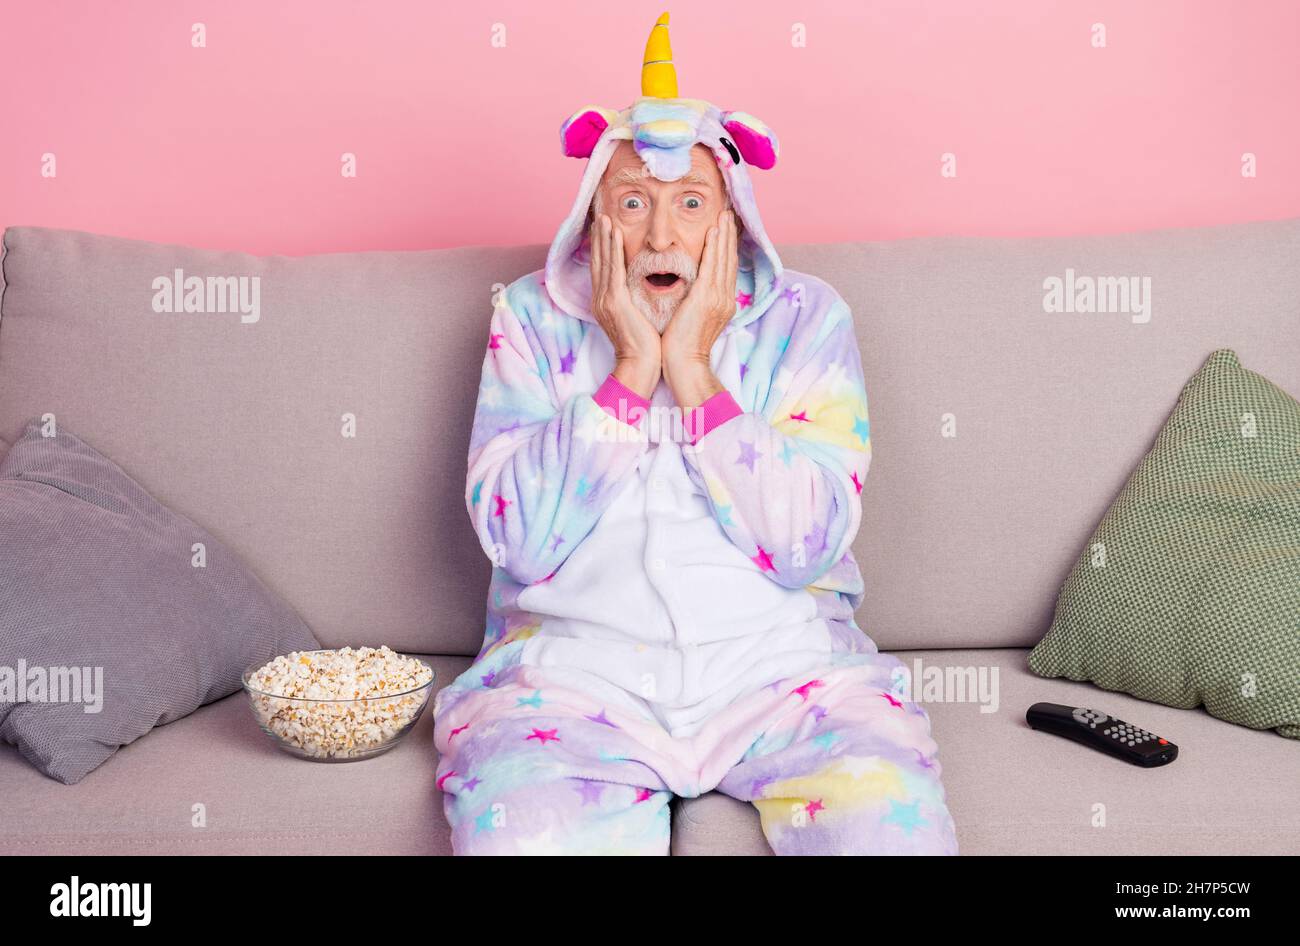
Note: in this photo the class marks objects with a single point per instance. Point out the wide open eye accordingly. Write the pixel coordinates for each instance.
(631, 202)
(693, 202)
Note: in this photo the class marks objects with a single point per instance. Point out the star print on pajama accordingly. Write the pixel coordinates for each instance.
(835, 761)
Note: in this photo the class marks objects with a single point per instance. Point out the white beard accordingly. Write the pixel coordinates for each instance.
(659, 311)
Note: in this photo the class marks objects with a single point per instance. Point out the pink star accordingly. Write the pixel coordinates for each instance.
(803, 690)
(548, 577)
(857, 483)
(457, 731)
(763, 560)
(801, 416)
(892, 702)
(643, 794)
(813, 807)
(443, 779)
(744, 298)
(543, 735)
(494, 339)
(502, 503)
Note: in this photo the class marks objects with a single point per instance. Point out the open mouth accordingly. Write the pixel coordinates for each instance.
(662, 280)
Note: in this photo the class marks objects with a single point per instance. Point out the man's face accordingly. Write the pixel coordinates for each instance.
(663, 223)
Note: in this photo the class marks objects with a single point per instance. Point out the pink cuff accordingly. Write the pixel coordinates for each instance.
(620, 401)
(714, 412)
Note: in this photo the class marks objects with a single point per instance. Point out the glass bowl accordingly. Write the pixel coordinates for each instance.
(337, 730)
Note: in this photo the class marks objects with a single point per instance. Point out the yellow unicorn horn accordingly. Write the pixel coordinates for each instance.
(658, 76)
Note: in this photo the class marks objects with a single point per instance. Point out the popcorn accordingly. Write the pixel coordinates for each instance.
(365, 697)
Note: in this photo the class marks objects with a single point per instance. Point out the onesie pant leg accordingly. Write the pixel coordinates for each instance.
(531, 768)
(844, 765)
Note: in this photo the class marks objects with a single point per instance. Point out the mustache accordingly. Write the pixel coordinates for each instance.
(648, 261)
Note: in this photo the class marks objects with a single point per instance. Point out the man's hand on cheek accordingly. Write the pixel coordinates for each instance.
(636, 344)
(701, 317)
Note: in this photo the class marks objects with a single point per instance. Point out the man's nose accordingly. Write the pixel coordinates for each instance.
(662, 231)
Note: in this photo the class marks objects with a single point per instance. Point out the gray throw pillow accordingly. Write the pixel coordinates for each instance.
(116, 613)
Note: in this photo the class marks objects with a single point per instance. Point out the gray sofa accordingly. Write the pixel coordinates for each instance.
(964, 542)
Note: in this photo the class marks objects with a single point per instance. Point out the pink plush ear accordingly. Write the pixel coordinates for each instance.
(582, 129)
(757, 143)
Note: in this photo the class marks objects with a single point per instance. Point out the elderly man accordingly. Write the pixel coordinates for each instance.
(667, 454)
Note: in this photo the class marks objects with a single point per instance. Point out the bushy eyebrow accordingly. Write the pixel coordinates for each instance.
(631, 175)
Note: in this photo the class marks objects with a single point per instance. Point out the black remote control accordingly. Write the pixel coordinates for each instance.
(1096, 729)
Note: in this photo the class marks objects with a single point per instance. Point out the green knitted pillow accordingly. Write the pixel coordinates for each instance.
(1188, 592)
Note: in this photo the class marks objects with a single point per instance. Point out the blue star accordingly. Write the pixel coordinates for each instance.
(535, 701)
(478, 491)
(583, 486)
(724, 515)
(787, 453)
(826, 739)
(861, 427)
(907, 817)
(484, 821)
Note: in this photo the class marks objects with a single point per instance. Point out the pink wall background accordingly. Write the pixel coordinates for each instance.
(237, 145)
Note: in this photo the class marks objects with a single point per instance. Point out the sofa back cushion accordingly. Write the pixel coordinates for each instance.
(321, 431)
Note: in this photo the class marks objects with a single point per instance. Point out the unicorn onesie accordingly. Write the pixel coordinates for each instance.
(671, 609)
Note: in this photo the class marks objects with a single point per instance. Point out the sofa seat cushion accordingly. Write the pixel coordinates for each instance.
(1011, 790)
(258, 799)
(1014, 790)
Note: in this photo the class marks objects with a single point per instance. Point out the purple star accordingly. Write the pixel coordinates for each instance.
(556, 544)
(590, 791)
(743, 368)
(925, 763)
(566, 363)
(820, 712)
(757, 786)
(471, 784)
(816, 539)
(603, 720)
(489, 677)
(748, 454)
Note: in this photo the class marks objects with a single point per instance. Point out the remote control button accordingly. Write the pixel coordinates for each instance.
(1163, 742)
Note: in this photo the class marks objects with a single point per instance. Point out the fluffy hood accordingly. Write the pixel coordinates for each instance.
(663, 128)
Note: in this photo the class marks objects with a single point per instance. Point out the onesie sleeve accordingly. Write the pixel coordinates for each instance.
(784, 480)
(541, 472)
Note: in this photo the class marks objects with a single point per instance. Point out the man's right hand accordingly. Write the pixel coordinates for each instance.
(636, 342)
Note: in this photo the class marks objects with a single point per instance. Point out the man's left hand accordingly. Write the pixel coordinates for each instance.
(701, 317)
